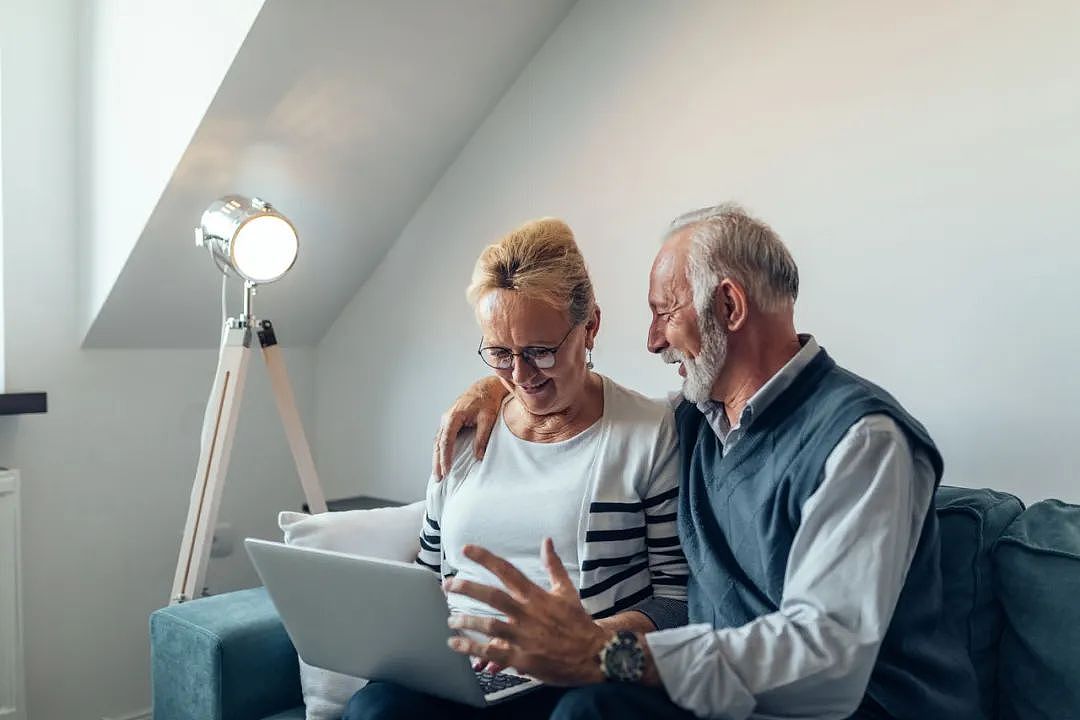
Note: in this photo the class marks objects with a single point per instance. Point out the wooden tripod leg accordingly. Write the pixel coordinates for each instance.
(219, 427)
(294, 429)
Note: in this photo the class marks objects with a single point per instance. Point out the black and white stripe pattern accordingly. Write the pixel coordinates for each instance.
(631, 554)
(430, 554)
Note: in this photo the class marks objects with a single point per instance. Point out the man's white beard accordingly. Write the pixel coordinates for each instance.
(701, 373)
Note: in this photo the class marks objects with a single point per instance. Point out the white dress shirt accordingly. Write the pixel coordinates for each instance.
(812, 659)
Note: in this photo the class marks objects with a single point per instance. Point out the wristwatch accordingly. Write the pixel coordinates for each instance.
(623, 658)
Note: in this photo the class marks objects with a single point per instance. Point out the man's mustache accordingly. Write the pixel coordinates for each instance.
(672, 356)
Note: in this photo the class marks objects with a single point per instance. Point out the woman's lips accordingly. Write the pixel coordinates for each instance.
(534, 389)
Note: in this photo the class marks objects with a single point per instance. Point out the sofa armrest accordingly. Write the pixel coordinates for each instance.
(225, 657)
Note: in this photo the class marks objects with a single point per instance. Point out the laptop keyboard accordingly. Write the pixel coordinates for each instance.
(494, 682)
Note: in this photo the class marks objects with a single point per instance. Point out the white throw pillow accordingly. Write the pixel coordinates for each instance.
(388, 533)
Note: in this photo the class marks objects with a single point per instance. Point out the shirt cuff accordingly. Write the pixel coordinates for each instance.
(664, 612)
(693, 673)
(663, 643)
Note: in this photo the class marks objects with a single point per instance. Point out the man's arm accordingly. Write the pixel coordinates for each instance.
(845, 572)
(632, 620)
(477, 407)
(812, 657)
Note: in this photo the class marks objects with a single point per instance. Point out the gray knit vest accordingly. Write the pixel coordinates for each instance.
(739, 513)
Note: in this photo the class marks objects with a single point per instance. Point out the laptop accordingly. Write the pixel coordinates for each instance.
(375, 619)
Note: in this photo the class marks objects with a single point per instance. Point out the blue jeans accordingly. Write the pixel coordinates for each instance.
(618, 701)
(390, 701)
(387, 701)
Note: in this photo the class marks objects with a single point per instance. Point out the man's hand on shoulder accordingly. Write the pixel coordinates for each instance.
(477, 407)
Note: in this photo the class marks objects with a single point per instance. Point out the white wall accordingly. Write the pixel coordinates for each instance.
(921, 160)
(148, 73)
(3, 355)
(107, 472)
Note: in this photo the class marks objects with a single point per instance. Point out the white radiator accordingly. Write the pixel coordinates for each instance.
(12, 694)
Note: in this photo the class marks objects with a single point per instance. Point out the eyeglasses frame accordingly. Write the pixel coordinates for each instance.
(524, 352)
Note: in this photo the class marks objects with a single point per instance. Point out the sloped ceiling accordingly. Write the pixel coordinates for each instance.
(343, 114)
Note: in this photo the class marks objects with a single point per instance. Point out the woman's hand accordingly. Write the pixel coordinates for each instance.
(478, 407)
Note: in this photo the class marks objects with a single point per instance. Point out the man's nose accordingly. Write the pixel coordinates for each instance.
(655, 341)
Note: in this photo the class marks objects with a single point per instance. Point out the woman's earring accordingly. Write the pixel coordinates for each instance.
(588, 360)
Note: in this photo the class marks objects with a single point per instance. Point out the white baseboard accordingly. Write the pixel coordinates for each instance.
(140, 715)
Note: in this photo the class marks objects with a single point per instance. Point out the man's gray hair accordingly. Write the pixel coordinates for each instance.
(728, 242)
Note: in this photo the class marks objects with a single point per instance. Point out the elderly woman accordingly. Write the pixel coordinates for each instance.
(574, 457)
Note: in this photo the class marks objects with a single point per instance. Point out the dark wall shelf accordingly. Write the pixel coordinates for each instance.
(22, 403)
(357, 502)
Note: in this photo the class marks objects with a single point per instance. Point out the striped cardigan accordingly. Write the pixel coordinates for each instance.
(629, 547)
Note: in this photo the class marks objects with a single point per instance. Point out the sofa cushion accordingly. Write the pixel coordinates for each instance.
(1038, 581)
(971, 522)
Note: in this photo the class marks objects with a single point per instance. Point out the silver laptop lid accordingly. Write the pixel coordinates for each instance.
(369, 618)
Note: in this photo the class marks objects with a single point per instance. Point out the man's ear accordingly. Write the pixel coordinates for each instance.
(731, 304)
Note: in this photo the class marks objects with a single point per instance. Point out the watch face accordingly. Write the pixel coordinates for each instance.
(624, 660)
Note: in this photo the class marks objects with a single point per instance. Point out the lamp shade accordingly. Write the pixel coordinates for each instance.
(248, 238)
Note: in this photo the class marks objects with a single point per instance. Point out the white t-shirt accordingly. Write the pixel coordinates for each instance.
(522, 493)
(607, 497)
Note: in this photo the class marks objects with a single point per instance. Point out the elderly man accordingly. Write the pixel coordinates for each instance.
(805, 513)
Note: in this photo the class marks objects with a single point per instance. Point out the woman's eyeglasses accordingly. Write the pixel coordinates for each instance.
(538, 356)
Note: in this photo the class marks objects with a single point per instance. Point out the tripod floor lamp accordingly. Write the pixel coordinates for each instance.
(249, 239)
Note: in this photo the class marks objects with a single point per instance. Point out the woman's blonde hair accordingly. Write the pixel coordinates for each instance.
(540, 260)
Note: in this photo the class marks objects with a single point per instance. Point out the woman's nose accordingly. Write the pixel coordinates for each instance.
(522, 370)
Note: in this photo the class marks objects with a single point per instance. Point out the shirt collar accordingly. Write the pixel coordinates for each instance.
(772, 388)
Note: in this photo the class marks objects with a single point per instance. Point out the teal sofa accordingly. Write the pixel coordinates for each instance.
(1012, 585)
